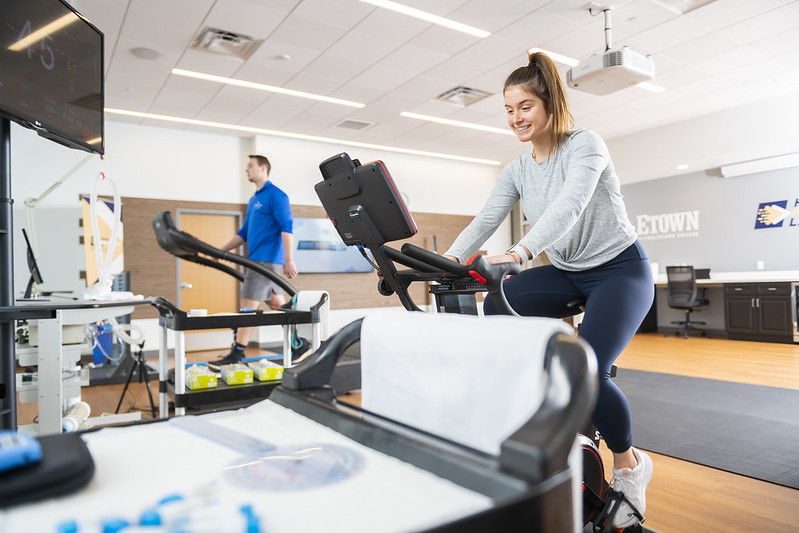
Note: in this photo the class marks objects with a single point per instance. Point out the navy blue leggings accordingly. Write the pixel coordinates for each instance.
(618, 296)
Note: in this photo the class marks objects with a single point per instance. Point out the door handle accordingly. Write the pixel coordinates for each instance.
(185, 285)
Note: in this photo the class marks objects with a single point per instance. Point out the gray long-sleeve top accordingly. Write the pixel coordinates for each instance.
(572, 200)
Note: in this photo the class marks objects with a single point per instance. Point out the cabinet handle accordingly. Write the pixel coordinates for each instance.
(737, 289)
(757, 300)
(752, 301)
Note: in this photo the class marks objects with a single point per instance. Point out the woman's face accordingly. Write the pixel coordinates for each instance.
(527, 116)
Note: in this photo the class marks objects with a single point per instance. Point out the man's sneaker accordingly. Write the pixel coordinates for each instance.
(632, 483)
(235, 356)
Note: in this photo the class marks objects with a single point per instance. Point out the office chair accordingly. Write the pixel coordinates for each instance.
(684, 294)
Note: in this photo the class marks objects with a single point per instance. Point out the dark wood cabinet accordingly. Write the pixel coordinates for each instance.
(759, 311)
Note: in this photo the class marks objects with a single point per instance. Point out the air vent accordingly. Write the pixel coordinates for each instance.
(225, 43)
(463, 96)
(354, 124)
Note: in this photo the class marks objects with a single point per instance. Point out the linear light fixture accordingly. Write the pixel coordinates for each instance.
(571, 62)
(649, 86)
(44, 31)
(760, 165)
(457, 123)
(554, 56)
(428, 17)
(298, 136)
(263, 87)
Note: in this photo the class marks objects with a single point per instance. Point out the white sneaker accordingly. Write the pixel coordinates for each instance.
(632, 483)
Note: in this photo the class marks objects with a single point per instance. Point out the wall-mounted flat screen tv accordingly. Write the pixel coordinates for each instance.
(51, 72)
(318, 249)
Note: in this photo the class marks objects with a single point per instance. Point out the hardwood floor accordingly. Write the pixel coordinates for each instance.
(686, 497)
(683, 497)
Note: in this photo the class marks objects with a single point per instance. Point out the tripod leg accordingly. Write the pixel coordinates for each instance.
(143, 365)
(124, 390)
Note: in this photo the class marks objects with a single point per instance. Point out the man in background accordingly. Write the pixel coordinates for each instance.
(267, 230)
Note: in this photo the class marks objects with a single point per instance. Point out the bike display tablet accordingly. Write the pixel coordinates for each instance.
(363, 202)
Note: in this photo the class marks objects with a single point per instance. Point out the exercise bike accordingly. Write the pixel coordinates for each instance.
(364, 204)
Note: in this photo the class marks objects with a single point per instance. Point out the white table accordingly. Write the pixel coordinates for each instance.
(51, 316)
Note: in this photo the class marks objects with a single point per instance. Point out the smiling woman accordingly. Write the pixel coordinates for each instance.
(570, 193)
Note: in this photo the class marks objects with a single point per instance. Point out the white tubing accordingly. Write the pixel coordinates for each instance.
(121, 329)
(104, 278)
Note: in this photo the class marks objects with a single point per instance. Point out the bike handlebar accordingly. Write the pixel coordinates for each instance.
(489, 274)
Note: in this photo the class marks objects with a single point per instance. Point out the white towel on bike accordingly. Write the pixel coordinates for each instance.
(474, 380)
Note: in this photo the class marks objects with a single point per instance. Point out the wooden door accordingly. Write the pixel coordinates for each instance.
(202, 287)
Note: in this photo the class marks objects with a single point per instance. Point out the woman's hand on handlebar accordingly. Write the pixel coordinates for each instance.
(451, 258)
(497, 259)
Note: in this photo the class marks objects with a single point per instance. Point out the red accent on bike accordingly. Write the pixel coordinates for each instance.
(471, 260)
(478, 277)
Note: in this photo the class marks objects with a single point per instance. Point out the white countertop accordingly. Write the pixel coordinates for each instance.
(742, 277)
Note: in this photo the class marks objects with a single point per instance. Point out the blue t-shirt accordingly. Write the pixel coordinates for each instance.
(268, 215)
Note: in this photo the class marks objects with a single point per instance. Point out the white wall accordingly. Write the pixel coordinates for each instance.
(754, 131)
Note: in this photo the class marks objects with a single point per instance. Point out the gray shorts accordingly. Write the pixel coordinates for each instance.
(257, 286)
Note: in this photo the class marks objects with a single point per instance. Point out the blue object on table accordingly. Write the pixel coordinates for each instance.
(18, 449)
(105, 343)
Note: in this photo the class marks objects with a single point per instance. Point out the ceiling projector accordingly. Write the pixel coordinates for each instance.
(610, 71)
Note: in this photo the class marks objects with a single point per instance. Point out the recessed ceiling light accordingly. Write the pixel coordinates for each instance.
(298, 136)
(428, 17)
(682, 167)
(648, 86)
(262, 87)
(142, 52)
(457, 123)
(557, 58)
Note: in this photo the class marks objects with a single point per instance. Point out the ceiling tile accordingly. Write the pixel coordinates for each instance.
(667, 35)
(362, 47)
(245, 17)
(702, 47)
(443, 40)
(491, 15)
(336, 68)
(345, 14)
(723, 62)
(413, 59)
(779, 43)
(723, 13)
(386, 24)
(537, 28)
(380, 77)
(307, 33)
(764, 25)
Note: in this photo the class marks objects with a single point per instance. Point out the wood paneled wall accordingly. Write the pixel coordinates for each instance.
(153, 271)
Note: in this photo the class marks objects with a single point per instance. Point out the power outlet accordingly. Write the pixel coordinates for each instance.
(761, 265)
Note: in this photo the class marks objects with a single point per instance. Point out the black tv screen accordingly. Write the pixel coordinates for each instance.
(51, 72)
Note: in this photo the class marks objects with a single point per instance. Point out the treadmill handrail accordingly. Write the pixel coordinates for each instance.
(186, 246)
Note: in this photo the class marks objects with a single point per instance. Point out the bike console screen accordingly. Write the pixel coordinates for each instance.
(363, 202)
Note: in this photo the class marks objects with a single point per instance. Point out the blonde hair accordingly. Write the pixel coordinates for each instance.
(541, 78)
